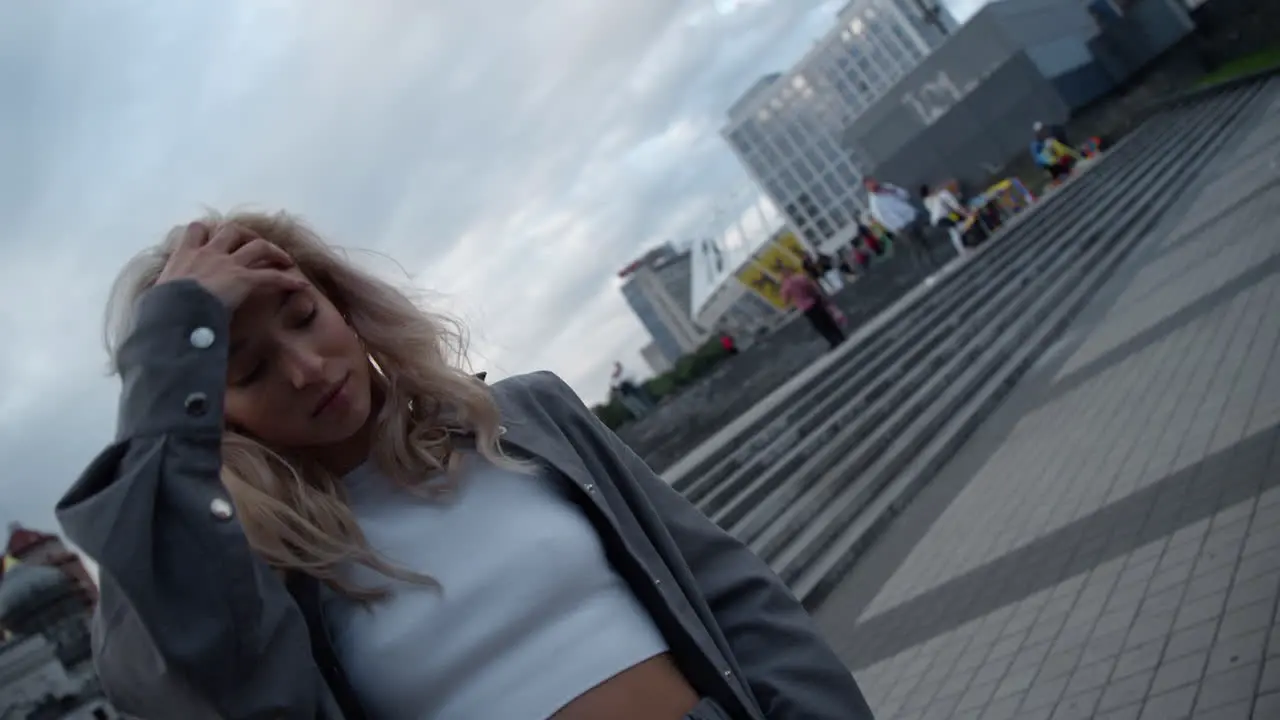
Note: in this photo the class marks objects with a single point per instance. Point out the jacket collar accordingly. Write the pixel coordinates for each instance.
(526, 431)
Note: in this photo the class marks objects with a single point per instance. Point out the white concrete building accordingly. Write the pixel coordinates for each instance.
(786, 129)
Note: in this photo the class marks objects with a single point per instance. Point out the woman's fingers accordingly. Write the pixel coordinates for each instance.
(195, 236)
(229, 238)
(270, 277)
(258, 253)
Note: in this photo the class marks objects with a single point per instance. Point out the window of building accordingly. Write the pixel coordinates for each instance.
(854, 206)
(807, 207)
(789, 181)
(830, 149)
(797, 133)
(848, 176)
(832, 184)
(799, 170)
(821, 196)
(769, 153)
(781, 140)
(909, 46)
(773, 186)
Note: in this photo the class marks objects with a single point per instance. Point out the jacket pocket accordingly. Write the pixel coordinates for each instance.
(707, 709)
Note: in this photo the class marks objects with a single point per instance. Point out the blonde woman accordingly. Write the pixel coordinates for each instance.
(311, 511)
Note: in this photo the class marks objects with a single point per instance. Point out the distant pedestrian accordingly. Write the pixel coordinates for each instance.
(891, 206)
(803, 293)
(868, 239)
(726, 342)
(813, 267)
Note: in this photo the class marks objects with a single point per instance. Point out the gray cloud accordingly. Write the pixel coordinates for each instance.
(510, 155)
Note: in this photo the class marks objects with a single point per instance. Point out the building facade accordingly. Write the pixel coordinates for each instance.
(969, 107)
(40, 548)
(46, 658)
(657, 288)
(786, 129)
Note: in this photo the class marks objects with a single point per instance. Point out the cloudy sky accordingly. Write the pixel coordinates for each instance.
(509, 155)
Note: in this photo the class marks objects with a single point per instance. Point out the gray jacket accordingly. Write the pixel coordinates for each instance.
(192, 625)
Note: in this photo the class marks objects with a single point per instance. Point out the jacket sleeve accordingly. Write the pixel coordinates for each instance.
(1037, 152)
(190, 624)
(790, 669)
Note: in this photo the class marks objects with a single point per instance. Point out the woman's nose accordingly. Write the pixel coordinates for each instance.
(303, 368)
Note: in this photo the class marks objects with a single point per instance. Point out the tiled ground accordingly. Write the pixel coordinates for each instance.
(1114, 552)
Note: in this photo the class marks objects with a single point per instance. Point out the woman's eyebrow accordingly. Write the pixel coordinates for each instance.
(285, 297)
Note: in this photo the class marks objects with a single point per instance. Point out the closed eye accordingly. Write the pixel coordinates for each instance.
(309, 317)
(253, 375)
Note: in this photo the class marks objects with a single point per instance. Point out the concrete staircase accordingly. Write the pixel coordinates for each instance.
(811, 479)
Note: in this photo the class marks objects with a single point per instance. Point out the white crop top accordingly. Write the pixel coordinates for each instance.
(529, 614)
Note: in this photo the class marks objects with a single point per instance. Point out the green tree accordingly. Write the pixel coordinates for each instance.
(688, 369)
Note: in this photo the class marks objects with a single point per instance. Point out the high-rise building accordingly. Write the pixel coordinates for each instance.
(657, 288)
(46, 657)
(33, 547)
(786, 130)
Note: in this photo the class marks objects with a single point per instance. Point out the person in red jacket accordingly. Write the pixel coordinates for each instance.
(726, 342)
(803, 293)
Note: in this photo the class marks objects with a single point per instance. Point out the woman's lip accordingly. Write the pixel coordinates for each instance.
(332, 395)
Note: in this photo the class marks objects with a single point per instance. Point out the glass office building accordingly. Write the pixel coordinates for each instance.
(786, 130)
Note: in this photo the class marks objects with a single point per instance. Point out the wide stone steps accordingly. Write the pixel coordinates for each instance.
(811, 484)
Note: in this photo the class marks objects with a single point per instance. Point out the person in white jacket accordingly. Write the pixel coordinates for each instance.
(946, 212)
(891, 206)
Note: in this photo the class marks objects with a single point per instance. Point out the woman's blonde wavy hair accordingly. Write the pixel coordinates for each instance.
(294, 512)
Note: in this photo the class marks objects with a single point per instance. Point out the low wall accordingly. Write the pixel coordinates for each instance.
(701, 410)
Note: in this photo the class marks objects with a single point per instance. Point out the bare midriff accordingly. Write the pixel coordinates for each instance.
(651, 690)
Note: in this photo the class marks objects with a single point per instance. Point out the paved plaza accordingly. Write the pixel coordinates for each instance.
(1107, 545)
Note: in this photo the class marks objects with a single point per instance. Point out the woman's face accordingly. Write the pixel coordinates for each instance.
(298, 377)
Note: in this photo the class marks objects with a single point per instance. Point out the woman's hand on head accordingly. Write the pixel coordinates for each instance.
(231, 263)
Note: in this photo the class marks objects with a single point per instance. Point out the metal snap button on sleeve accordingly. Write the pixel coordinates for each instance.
(196, 404)
(202, 338)
(221, 509)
